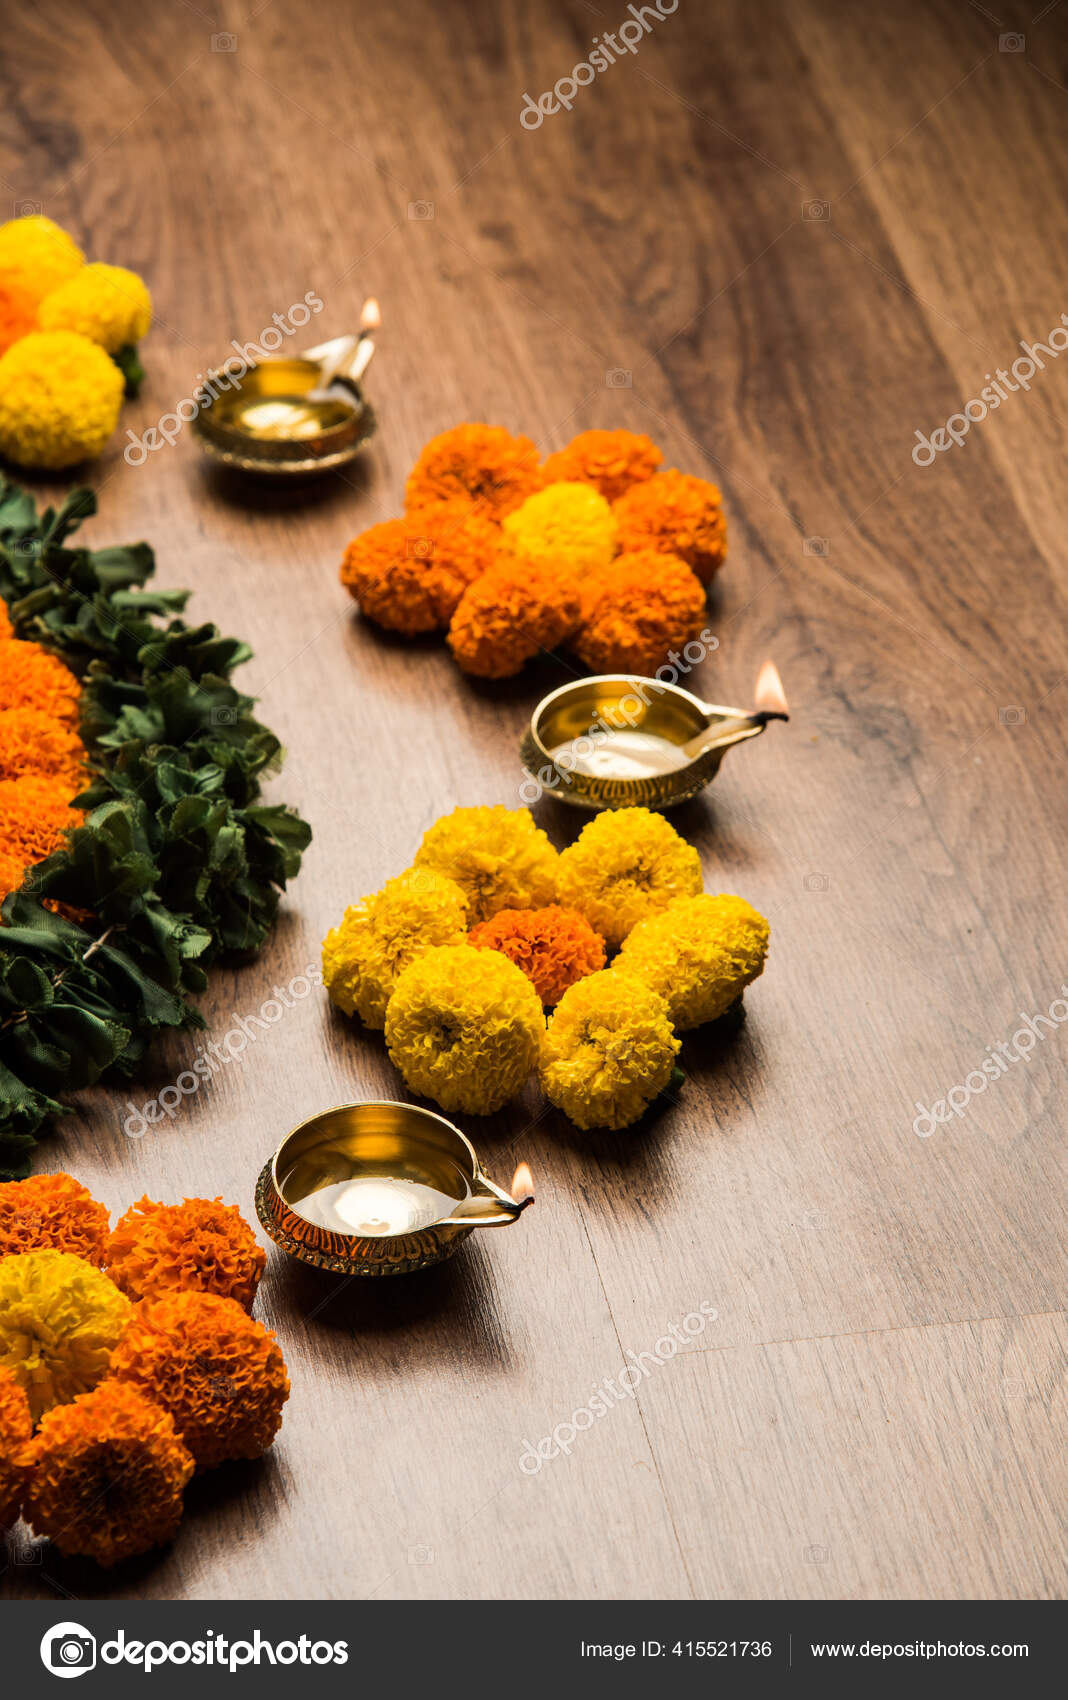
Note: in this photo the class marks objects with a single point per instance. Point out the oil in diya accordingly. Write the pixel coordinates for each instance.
(380, 1189)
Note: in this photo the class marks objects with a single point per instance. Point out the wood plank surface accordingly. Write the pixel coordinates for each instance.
(782, 239)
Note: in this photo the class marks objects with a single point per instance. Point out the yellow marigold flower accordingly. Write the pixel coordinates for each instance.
(52, 1212)
(608, 1051)
(218, 1373)
(676, 514)
(464, 1026)
(108, 304)
(381, 934)
(566, 527)
(33, 741)
(60, 397)
(699, 953)
(497, 856)
(609, 460)
(484, 462)
(201, 1245)
(59, 1320)
(624, 865)
(16, 1427)
(36, 256)
(106, 1475)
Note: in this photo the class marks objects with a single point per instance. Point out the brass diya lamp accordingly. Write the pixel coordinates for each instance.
(291, 416)
(380, 1188)
(616, 741)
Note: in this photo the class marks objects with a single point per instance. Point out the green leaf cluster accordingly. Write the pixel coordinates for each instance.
(177, 864)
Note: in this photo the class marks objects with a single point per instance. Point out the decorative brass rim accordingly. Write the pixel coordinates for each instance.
(397, 1254)
(594, 791)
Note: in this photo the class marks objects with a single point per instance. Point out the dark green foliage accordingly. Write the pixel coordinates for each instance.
(177, 863)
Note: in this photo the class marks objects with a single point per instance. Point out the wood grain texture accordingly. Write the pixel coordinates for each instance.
(875, 1410)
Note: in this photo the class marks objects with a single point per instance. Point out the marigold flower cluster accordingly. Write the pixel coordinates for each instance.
(61, 322)
(463, 1027)
(383, 933)
(211, 1367)
(52, 1213)
(699, 954)
(107, 1405)
(595, 548)
(554, 947)
(199, 1246)
(41, 755)
(463, 1013)
(609, 1051)
(105, 1475)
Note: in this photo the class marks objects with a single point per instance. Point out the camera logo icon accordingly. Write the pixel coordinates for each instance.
(817, 211)
(1012, 42)
(618, 378)
(68, 1649)
(420, 209)
(1012, 715)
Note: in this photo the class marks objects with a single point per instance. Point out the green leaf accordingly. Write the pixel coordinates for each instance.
(177, 863)
(129, 364)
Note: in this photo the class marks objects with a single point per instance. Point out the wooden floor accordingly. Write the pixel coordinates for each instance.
(877, 1410)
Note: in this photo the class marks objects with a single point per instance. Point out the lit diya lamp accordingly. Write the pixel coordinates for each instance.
(616, 741)
(381, 1189)
(288, 417)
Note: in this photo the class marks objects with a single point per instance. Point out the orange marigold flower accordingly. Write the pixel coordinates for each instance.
(639, 608)
(34, 741)
(106, 1475)
(511, 613)
(554, 947)
(408, 574)
(18, 315)
(32, 678)
(218, 1373)
(612, 461)
(676, 514)
(199, 1246)
(52, 1213)
(482, 461)
(35, 818)
(16, 1427)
